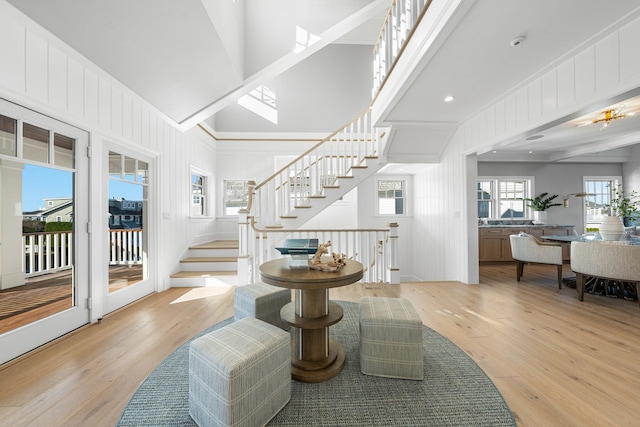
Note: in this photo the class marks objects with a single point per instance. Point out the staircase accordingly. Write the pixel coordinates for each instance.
(318, 177)
(208, 264)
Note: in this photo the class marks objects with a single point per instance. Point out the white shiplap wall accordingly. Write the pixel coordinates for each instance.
(42, 73)
(599, 71)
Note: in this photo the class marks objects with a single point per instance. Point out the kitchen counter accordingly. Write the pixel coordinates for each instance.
(523, 225)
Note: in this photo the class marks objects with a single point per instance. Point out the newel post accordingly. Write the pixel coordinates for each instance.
(243, 247)
(393, 271)
(244, 256)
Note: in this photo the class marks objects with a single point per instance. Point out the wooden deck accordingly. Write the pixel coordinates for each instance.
(46, 295)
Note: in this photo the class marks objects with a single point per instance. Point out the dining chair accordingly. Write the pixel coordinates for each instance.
(525, 249)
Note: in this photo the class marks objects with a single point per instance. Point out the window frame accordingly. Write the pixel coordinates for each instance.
(406, 183)
(528, 190)
(614, 180)
(224, 197)
(204, 197)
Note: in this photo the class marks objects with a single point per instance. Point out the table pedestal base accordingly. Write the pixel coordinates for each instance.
(318, 371)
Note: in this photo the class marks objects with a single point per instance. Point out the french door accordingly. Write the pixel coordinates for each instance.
(44, 242)
(128, 237)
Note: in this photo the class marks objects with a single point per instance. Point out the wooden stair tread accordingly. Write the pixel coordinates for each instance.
(344, 176)
(330, 186)
(210, 259)
(288, 216)
(318, 196)
(302, 206)
(273, 226)
(218, 244)
(359, 167)
(199, 274)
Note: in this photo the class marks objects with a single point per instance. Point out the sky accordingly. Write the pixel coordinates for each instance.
(39, 183)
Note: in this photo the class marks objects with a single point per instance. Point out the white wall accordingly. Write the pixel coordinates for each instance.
(368, 218)
(631, 171)
(320, 94)
(40, 72)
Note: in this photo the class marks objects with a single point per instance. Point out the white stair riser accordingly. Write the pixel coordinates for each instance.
(201, 282)
(208, 266)
(207, 253)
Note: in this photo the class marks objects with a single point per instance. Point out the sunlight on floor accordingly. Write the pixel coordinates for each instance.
(199, 293)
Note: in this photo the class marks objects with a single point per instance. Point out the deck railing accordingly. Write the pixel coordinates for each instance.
(47, 252)
(375, 249)
(50, 252)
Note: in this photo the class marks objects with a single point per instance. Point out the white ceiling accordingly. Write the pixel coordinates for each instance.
(476, 63)
(191, 58)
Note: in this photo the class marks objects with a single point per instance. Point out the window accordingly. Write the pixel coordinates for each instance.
(600, 193)
(504, 197)
(392, 197)
(236, 196)
(198, 187)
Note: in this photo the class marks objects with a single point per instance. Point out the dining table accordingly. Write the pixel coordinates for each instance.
(598, 285)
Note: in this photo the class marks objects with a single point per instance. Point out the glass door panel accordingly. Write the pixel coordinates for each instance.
(127, 237)
(44, 285)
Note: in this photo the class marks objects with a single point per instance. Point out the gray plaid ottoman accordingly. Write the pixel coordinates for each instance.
(261, 301)
(390, 338)
(239, 375)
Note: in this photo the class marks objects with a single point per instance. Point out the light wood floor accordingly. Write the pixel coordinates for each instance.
(557, 361)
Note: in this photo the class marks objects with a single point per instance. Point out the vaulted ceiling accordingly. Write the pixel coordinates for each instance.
(192, 58)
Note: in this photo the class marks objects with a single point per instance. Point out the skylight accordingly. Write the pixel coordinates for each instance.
(261, 101)
(304, 39)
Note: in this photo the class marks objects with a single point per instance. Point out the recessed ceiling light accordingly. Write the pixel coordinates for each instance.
(517, 41)
(530, 151)
(449, 98)
(534, 137)
(494, 151)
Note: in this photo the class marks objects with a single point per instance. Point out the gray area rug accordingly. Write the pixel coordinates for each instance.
(455, 391)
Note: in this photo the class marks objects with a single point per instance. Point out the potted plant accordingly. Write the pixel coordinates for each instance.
(625, 207)
(540, 204)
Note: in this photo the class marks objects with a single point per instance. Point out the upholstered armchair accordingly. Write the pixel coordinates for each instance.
(525, 248)
(607, 260)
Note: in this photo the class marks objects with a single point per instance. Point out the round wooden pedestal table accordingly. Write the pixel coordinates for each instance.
(315, 357)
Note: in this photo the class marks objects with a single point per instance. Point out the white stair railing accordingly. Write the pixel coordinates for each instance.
(402, 17)
(311, 173)
(375, 249)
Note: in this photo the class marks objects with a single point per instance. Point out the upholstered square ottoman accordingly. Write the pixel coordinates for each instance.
(390, 338)
(261, 301)
(239, 375)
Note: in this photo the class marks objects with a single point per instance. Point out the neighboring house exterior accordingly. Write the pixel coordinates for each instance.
(55, 210)
(125, 214)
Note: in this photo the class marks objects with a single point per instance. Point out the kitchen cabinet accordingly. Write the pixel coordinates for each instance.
(494, 244)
